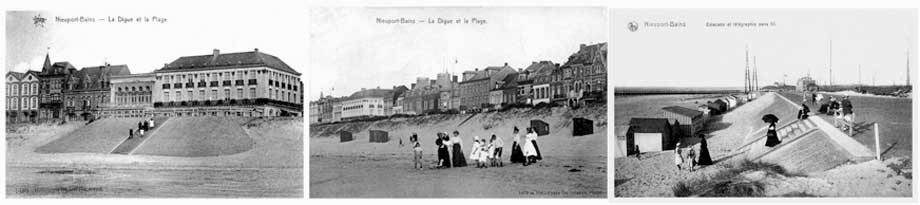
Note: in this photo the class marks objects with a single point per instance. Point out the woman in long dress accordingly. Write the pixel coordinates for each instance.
(772, 138)
(458, 159)
(443, 154)
(517, 156)
(530, 151)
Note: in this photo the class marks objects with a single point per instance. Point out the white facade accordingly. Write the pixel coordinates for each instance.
(541, 94)
(364, 107)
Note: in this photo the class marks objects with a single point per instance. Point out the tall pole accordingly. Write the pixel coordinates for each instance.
(859, 73)
(908, 67)
(878, 154)
(830, 62)
(747, 74)
(756, 83)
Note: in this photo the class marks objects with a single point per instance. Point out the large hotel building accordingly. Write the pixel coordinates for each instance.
(232, 84)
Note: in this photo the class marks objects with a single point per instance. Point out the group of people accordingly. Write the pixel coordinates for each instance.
(484, 152)
(692, 158)
(142, 126)
(841, 110)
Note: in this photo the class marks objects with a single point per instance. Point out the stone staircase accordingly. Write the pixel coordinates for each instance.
(129, 144)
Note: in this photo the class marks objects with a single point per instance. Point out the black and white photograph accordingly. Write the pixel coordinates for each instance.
(788, 103)
(458, 102)
(154, 104)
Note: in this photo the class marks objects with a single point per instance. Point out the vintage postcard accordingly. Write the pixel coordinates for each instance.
(136, 104)
(783, 103)
(458, 102)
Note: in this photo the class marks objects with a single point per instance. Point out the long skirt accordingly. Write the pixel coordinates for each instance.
(772, 139)
(444, 155)
(459, 160)
(517, 156)
(537, 148)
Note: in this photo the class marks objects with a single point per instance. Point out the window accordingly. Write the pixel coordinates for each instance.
(166, 97)
(227, 94)
(214, 94)
(15, 90)
(252, 93)
(239, 93)
(191, 95)
(202, 95)
(178, 95)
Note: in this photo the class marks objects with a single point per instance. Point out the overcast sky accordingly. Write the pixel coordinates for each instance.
(147, 46)
(350, 50)
(698, 56)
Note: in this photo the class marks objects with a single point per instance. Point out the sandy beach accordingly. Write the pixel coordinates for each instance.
(572, 167)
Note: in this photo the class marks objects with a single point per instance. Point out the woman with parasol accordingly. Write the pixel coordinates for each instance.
(772, 138)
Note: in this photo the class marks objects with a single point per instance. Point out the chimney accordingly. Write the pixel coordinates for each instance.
(413, 86)
(455, 78)
(257, 50)
(506, 64)
(477, 69)
(214, 56)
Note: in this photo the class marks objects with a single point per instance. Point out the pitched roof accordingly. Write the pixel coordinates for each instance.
(587, 54)
(16, 75)
(103, 71)
(683, 111)
(649, 125)
(384, 93)
(227, 60)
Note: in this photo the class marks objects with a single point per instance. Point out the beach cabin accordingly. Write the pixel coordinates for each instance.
(379, 136)
(690, 117)
(582, 126)
(718, 105)
(540, 127)
(649, 134)
(345, 136)
(732, 102)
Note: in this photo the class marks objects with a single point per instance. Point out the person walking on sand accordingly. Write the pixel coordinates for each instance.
(678, 159)
(498, 144)
(458, 158)
(772, 137)
(130, 133)
(517, 155)
(416, 151)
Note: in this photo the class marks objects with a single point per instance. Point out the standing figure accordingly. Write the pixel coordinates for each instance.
(474, 151)
(416, 151)
(497, 144)
(772, 138)
(458, 158)
(530, 148)
(517, 154)
(678, 159)
(443, 153)
(484, 153)
(846, 110)
(704, 158)
(691, 155)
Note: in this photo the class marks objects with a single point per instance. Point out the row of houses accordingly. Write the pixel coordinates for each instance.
(232, 84)
(581, 78)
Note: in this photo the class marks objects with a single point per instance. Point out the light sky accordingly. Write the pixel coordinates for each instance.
(350, 50)
(696, 56)
(145, 47)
